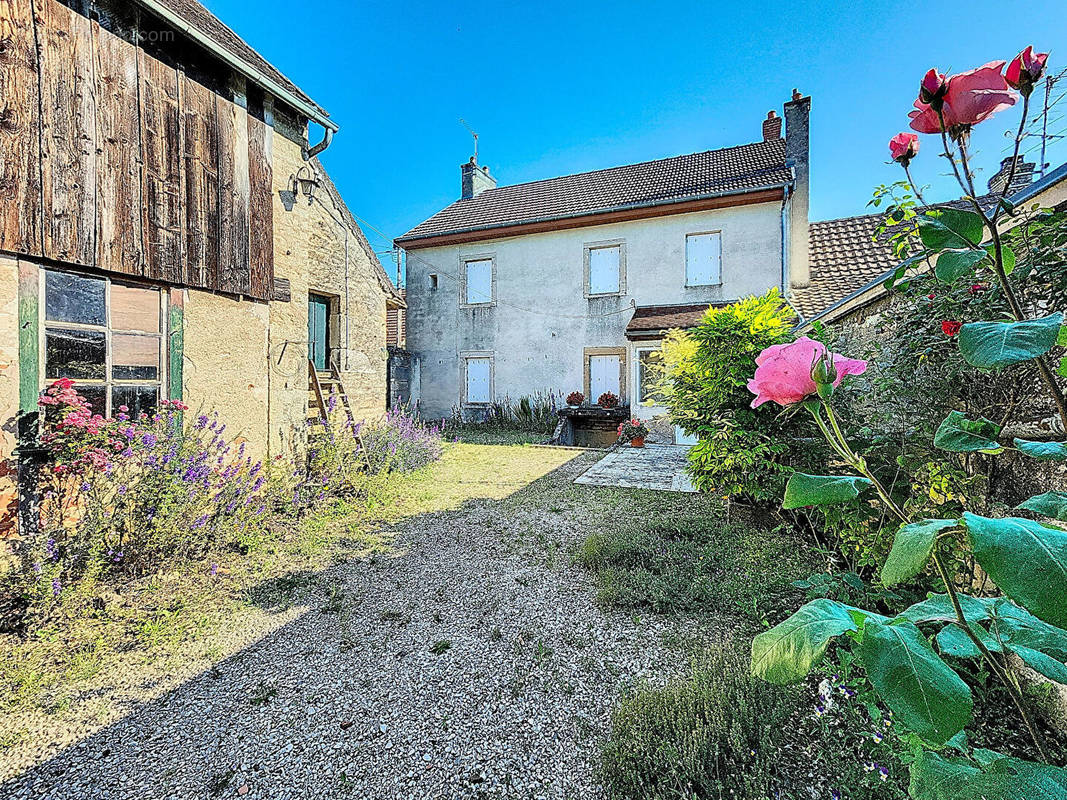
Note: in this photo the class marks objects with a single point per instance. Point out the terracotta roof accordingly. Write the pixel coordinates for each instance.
(667, 180)
(648, 319)
(223, 36)
(844, 258)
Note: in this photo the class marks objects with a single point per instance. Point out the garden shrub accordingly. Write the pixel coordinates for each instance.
(122, 496)
(716, 733)
(703, 373)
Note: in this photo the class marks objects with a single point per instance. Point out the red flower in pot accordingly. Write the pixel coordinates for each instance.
(608, 400)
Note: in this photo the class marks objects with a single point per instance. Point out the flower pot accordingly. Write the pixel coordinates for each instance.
(638, 442)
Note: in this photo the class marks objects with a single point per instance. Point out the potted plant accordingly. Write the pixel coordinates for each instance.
(575, 399)
(608, 400)
(634, 432)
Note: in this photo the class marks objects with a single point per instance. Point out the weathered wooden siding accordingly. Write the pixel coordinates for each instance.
(111, 158)
(68, 134)
(20, 168)
(119, 227)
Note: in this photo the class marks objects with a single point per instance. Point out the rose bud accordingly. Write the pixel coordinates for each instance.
(824, 373)
(933, 88)
(1025, 70)
(904, 147)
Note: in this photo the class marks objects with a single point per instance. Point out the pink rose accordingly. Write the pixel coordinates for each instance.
(932, 88)
(783, 371)
(969, 98)
(904, 147)
(1025, 70)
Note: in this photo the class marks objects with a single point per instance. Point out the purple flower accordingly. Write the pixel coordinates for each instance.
(51, 550)
(214, 570)
(200, 522)
(85, 486)
(57, 587)
(201, 422)
(37, 567)
(149, 440)
(127, 453)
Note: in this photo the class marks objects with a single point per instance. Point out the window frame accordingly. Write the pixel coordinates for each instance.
(587, 248)
(588, 352)
(638, 350)
(478, 355)
(109, 383)
(463, 262)
(685, 266)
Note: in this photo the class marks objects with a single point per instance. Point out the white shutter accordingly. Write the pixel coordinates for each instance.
(603, 376)
(478, 380)
(604, 270)
(703, 259)
(480, 281)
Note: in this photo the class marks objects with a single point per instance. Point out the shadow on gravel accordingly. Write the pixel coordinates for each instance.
(297, 713)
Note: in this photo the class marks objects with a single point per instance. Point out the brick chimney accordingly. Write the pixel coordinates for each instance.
(797, 113)
(475, 180)
(1023, 177)
(772, 127)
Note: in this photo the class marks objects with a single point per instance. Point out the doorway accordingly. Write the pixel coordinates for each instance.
(318, 330)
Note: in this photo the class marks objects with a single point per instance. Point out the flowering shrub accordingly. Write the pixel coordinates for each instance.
(575, 399)
(608, 400)
(122, 495)
(1024, 558)
(401, 443)
(632, 429)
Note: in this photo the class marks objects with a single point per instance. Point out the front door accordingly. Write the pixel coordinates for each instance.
(318, 314)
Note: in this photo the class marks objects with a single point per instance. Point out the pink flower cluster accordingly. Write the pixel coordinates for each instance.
(955, 103)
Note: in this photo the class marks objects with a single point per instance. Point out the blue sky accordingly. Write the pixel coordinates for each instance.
(555, 88)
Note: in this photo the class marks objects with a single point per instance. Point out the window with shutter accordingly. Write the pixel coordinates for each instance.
(604, 269)
(703, 259)
(479, 281)
(604, 372)
(479, 374)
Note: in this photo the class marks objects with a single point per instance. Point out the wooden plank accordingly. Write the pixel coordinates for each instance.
(176, 348)
(29, 337)
(119, 234)
(20, 143)
(201, 156)
(68, 134)
(261, 209)
(161, 171)
(234, 188)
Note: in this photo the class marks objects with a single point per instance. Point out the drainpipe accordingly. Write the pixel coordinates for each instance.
(786, 208)
(326, 139)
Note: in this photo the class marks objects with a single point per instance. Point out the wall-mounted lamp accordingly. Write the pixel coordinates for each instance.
(305, 182)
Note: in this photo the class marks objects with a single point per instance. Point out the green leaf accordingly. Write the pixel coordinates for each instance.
(1061, 337)
(1049, 504)
(787, 652)
(950, 229)
(1043, 451)
(934, 777)
(817, 490)
(1007, 254)
(1027, 560)
(957, 434)
(921, 689)
(1061, 368)
(1050, 667)
(993, 345)
(911, 549)
(1017, 627)
(954, 641)
(938, 608)
(952, 264)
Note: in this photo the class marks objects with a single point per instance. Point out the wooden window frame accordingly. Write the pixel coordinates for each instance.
(587, 247)
(623, 366)
(463, 261)
(685, 259)
(643, 347)
(468, 355)
(108, 383)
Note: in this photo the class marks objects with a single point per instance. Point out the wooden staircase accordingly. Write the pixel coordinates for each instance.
(318, 401)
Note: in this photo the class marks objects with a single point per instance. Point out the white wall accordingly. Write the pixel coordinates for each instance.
(542, 320)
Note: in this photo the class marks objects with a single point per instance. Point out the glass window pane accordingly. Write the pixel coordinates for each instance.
(74, 298)
(134, 358)
(647, 374)
(480, 281)
(134, 309)
(604, 270)
(72, 354)
(138, 399)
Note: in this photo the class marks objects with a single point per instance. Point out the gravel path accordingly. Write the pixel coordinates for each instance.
(473, 663)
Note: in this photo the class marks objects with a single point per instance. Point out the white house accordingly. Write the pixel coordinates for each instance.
(570, 283)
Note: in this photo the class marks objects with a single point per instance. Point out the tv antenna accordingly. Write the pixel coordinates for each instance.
(463, 122)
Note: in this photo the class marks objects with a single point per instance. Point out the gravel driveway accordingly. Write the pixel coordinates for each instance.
(471, 663)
